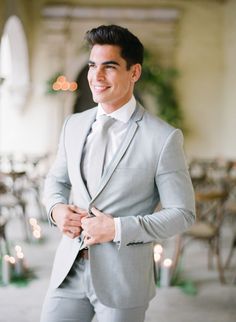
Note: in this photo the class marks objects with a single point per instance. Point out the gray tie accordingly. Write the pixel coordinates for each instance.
(98, 152)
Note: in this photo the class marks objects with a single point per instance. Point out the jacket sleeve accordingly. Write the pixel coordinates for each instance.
(57, 184)
(176, 193)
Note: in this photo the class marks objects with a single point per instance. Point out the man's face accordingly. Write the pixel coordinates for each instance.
(109, 80)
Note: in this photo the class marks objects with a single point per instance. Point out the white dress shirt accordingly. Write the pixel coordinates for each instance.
(116, 134)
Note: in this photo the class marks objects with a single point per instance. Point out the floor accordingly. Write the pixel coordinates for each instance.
(212, 303)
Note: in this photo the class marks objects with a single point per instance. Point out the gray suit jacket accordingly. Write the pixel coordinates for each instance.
(148, 168)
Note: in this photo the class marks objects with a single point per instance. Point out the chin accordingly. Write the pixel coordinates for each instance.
(98, 99)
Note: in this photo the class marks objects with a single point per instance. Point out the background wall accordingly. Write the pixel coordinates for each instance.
(200, 62)
(228, 109)
(204, 53)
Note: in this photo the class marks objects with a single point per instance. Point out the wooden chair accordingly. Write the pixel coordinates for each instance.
(4, 242)
(231, 214)
(207, 228)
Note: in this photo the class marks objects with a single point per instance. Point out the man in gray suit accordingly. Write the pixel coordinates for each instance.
(115, 163)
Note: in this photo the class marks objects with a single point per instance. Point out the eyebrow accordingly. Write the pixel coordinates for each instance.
(109, 62)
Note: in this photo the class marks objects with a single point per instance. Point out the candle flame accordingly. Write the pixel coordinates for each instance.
(37, 227)
(36, 234)
(157, 257)
(6, 258)
(158, 249)
(167, 262)
(20, 255)
(18, 248)
(12, 260)
(33, 221)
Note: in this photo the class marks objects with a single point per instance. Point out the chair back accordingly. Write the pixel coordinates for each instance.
(210, 207)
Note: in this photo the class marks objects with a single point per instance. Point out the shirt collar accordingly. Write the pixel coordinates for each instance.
(123, 113)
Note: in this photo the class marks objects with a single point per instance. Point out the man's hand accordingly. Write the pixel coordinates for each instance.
(98, 229)
(68, 219)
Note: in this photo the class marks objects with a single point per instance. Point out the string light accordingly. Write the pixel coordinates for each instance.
(62, 84)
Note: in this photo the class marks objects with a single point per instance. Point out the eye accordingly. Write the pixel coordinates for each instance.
(110, 67)
(90, 65)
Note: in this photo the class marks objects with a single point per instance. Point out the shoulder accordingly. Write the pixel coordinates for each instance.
(82, 116)
(158, 133)
(79, 122)
(154, 125)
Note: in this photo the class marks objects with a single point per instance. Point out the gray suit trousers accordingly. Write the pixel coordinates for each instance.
(75, 301)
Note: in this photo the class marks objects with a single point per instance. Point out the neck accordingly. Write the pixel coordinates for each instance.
(110, 108)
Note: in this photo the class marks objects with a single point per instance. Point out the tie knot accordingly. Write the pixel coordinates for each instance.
(105, 121)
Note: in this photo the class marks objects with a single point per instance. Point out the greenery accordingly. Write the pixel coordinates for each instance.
(179, 280)
(159, 82)
(185, 284)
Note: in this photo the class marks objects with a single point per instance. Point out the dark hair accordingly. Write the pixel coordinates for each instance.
(130, 45)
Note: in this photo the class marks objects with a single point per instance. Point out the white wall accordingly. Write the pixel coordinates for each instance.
(199, 60)
(228, 112)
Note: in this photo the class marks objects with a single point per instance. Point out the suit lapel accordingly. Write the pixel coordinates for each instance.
(133, 126)
(85, 126)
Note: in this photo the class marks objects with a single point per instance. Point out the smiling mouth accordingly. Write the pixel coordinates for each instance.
(100, 88)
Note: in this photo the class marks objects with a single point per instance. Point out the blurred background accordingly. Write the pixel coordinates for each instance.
(189, 79)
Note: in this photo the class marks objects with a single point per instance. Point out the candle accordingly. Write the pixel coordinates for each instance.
(157, 260)
(165, 277)
(6, 270)
(19, 267)
(158, 249)
(12, 262)
(158, 255)
(19, 261)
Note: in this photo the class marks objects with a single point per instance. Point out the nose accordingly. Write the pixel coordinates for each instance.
(99, 73)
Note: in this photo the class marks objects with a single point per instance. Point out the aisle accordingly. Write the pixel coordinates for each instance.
(213, 303)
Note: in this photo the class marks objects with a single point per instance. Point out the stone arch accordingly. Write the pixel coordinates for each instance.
(84, 99)
(14, 64)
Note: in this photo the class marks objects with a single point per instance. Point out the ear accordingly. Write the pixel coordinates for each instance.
(136, 71)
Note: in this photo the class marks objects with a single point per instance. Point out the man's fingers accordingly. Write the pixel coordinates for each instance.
(97, 212)
(74, 208)
(72, 216)
(72, 232)
(78, 210)
(73, 223)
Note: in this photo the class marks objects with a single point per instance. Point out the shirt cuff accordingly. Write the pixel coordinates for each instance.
(50, 214)
(117, 237)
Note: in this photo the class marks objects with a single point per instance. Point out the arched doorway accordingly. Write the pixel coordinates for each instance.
(14, 65)
(84, 99)
(15, 84)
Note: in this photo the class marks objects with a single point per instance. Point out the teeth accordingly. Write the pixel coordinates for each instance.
(100, 88)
